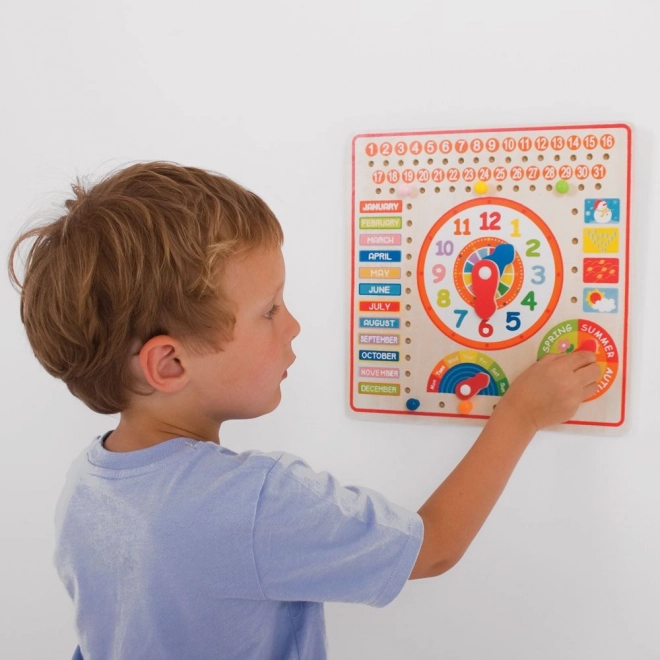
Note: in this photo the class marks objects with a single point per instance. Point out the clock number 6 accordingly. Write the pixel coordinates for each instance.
(486, 329)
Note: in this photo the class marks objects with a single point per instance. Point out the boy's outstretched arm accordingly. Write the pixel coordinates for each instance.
(547, 393)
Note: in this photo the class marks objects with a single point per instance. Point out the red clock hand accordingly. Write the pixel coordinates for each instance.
(485, 278)
(467, 388)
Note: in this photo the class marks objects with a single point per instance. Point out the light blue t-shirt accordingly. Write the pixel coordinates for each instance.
(189, 551)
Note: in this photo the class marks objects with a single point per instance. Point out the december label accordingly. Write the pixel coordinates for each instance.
(379, 388)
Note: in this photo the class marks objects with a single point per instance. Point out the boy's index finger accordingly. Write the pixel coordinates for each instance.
(589, 374)
(577, 359)
(582, 357)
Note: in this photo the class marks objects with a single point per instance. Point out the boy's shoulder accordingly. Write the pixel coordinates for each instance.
(94, 459)
(186, 472)
(181, 472)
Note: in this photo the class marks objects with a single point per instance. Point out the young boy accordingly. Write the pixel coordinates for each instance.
(159, 295)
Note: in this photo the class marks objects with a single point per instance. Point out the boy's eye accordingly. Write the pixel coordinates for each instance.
(272, 311)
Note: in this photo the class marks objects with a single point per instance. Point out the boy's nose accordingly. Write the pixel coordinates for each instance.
(295, 327)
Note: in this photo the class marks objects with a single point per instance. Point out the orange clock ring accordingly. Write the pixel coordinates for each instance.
(557, 284)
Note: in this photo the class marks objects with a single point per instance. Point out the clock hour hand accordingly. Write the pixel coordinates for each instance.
(485, 278)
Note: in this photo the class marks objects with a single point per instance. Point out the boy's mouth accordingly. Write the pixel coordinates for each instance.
(286, 371)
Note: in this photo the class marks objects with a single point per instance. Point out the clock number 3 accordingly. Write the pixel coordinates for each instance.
(539, 276)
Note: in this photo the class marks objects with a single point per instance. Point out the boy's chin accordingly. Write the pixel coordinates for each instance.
(261, 410)
(276, 402)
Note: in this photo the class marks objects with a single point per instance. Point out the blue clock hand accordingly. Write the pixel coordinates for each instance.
(502, 255)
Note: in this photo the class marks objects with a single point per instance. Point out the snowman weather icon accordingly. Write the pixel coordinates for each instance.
(602, 212)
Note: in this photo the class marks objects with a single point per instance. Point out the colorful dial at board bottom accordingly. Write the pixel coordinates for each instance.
(458, 367)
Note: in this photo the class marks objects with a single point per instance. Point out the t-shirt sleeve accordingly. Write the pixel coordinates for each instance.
(315, 540)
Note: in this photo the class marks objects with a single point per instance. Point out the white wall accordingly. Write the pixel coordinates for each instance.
(270, 93)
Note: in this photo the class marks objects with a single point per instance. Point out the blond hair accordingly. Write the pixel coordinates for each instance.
(137, 255)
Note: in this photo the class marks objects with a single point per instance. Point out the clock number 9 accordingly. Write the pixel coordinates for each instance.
(439, 272)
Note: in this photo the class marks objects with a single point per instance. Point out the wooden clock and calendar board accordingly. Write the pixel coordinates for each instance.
(475, 253)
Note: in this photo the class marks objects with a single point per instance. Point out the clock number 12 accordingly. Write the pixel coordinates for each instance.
(493, 224)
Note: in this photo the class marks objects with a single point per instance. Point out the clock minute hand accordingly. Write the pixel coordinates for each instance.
(502, 255)
(485, 278)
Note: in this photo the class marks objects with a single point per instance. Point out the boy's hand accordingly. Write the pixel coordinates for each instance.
(547, 393)
(550, 391)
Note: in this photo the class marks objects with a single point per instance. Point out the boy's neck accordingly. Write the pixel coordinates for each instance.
(134, 433)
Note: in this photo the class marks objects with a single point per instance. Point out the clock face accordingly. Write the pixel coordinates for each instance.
(489, 273)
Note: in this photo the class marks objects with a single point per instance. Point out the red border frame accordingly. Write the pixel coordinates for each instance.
(628, 130)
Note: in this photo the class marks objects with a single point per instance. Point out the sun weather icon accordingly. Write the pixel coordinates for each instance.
(602, 300)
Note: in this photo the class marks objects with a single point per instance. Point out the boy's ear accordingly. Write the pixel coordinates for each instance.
(161, 365)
